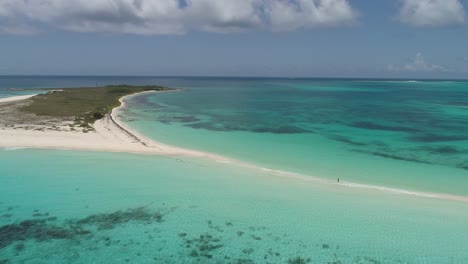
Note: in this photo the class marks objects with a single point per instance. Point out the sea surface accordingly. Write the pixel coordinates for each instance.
(390, 142)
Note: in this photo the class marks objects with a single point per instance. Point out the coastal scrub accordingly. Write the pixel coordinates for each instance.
(84, 105)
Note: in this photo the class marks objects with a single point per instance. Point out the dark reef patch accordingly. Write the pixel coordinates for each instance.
(38, 230)
(46, 229)
(458, 103)
(281, 130)
(186, 119)
(244, 261)
(208, 246)
(19, 247)
(446, 150)
(374, 126)
(109, 221)
(395, 157)
(165, 120)
(378, 143)
(427, 138)
(40, 215)
(203, 246)
(214, 245)
(366, 259)
(391, 156)
(220, 126)
(212, 126)
(298, 260)
(347, 140)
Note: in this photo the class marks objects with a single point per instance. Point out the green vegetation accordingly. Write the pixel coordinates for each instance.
(85, 105)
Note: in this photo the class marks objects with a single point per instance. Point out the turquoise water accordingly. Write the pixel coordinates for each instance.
(393, 133)
(90, 207)
(79, 207)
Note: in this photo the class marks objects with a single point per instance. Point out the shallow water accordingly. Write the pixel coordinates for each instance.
(90, 207)
(82, 207)
(399, 134)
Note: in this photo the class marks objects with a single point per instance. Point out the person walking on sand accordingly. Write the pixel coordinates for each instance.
(338, 180)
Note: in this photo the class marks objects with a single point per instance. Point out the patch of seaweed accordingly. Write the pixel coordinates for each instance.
(109, 221)
(395, 157)
(19, 247)
(298, 260)
(366, 259)
(208, 247)
(458, 103)
(374, 126)
(40, 215)
(211, 126)
(244, 261)
(391, 156)
(231, 127)
(37, 229)
(442, 150)
(214, 227)
(427, 138)
(347, 140)
(281, 130)
(186, 119)
(46, 229)
(203, 245)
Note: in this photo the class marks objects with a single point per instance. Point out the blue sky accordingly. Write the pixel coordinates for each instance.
(309, 38)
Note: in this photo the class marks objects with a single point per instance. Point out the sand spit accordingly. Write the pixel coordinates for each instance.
(16, 98)
(112, 135)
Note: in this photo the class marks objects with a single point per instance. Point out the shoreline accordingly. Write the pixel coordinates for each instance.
(16, 98)
(112, 135)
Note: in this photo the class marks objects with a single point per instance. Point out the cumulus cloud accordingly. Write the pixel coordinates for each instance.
(418, 64)
(287, 15)
(171, 16)
(422, 13)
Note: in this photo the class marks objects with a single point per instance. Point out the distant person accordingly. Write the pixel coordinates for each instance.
(338, 180)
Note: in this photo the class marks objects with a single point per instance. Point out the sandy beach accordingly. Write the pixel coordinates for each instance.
(16, 98)
(112, 135)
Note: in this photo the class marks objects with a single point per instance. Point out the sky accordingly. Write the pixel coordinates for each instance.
(268, 38)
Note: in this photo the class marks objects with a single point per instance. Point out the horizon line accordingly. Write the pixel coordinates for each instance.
(234, 77)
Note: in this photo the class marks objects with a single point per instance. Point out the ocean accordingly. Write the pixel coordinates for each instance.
(389, 142)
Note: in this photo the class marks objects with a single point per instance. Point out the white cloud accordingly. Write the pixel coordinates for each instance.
(287, 15)
(422, 13)
(418, 64)
(170, 16)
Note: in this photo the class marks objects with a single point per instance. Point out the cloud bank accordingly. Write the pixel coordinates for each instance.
(171, 16)
(418, 64)
(422, 13)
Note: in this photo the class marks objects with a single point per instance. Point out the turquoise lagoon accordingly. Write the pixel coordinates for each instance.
(88, 207)
(407, 135)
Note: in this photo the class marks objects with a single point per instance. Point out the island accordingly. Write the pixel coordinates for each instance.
(80, 119)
